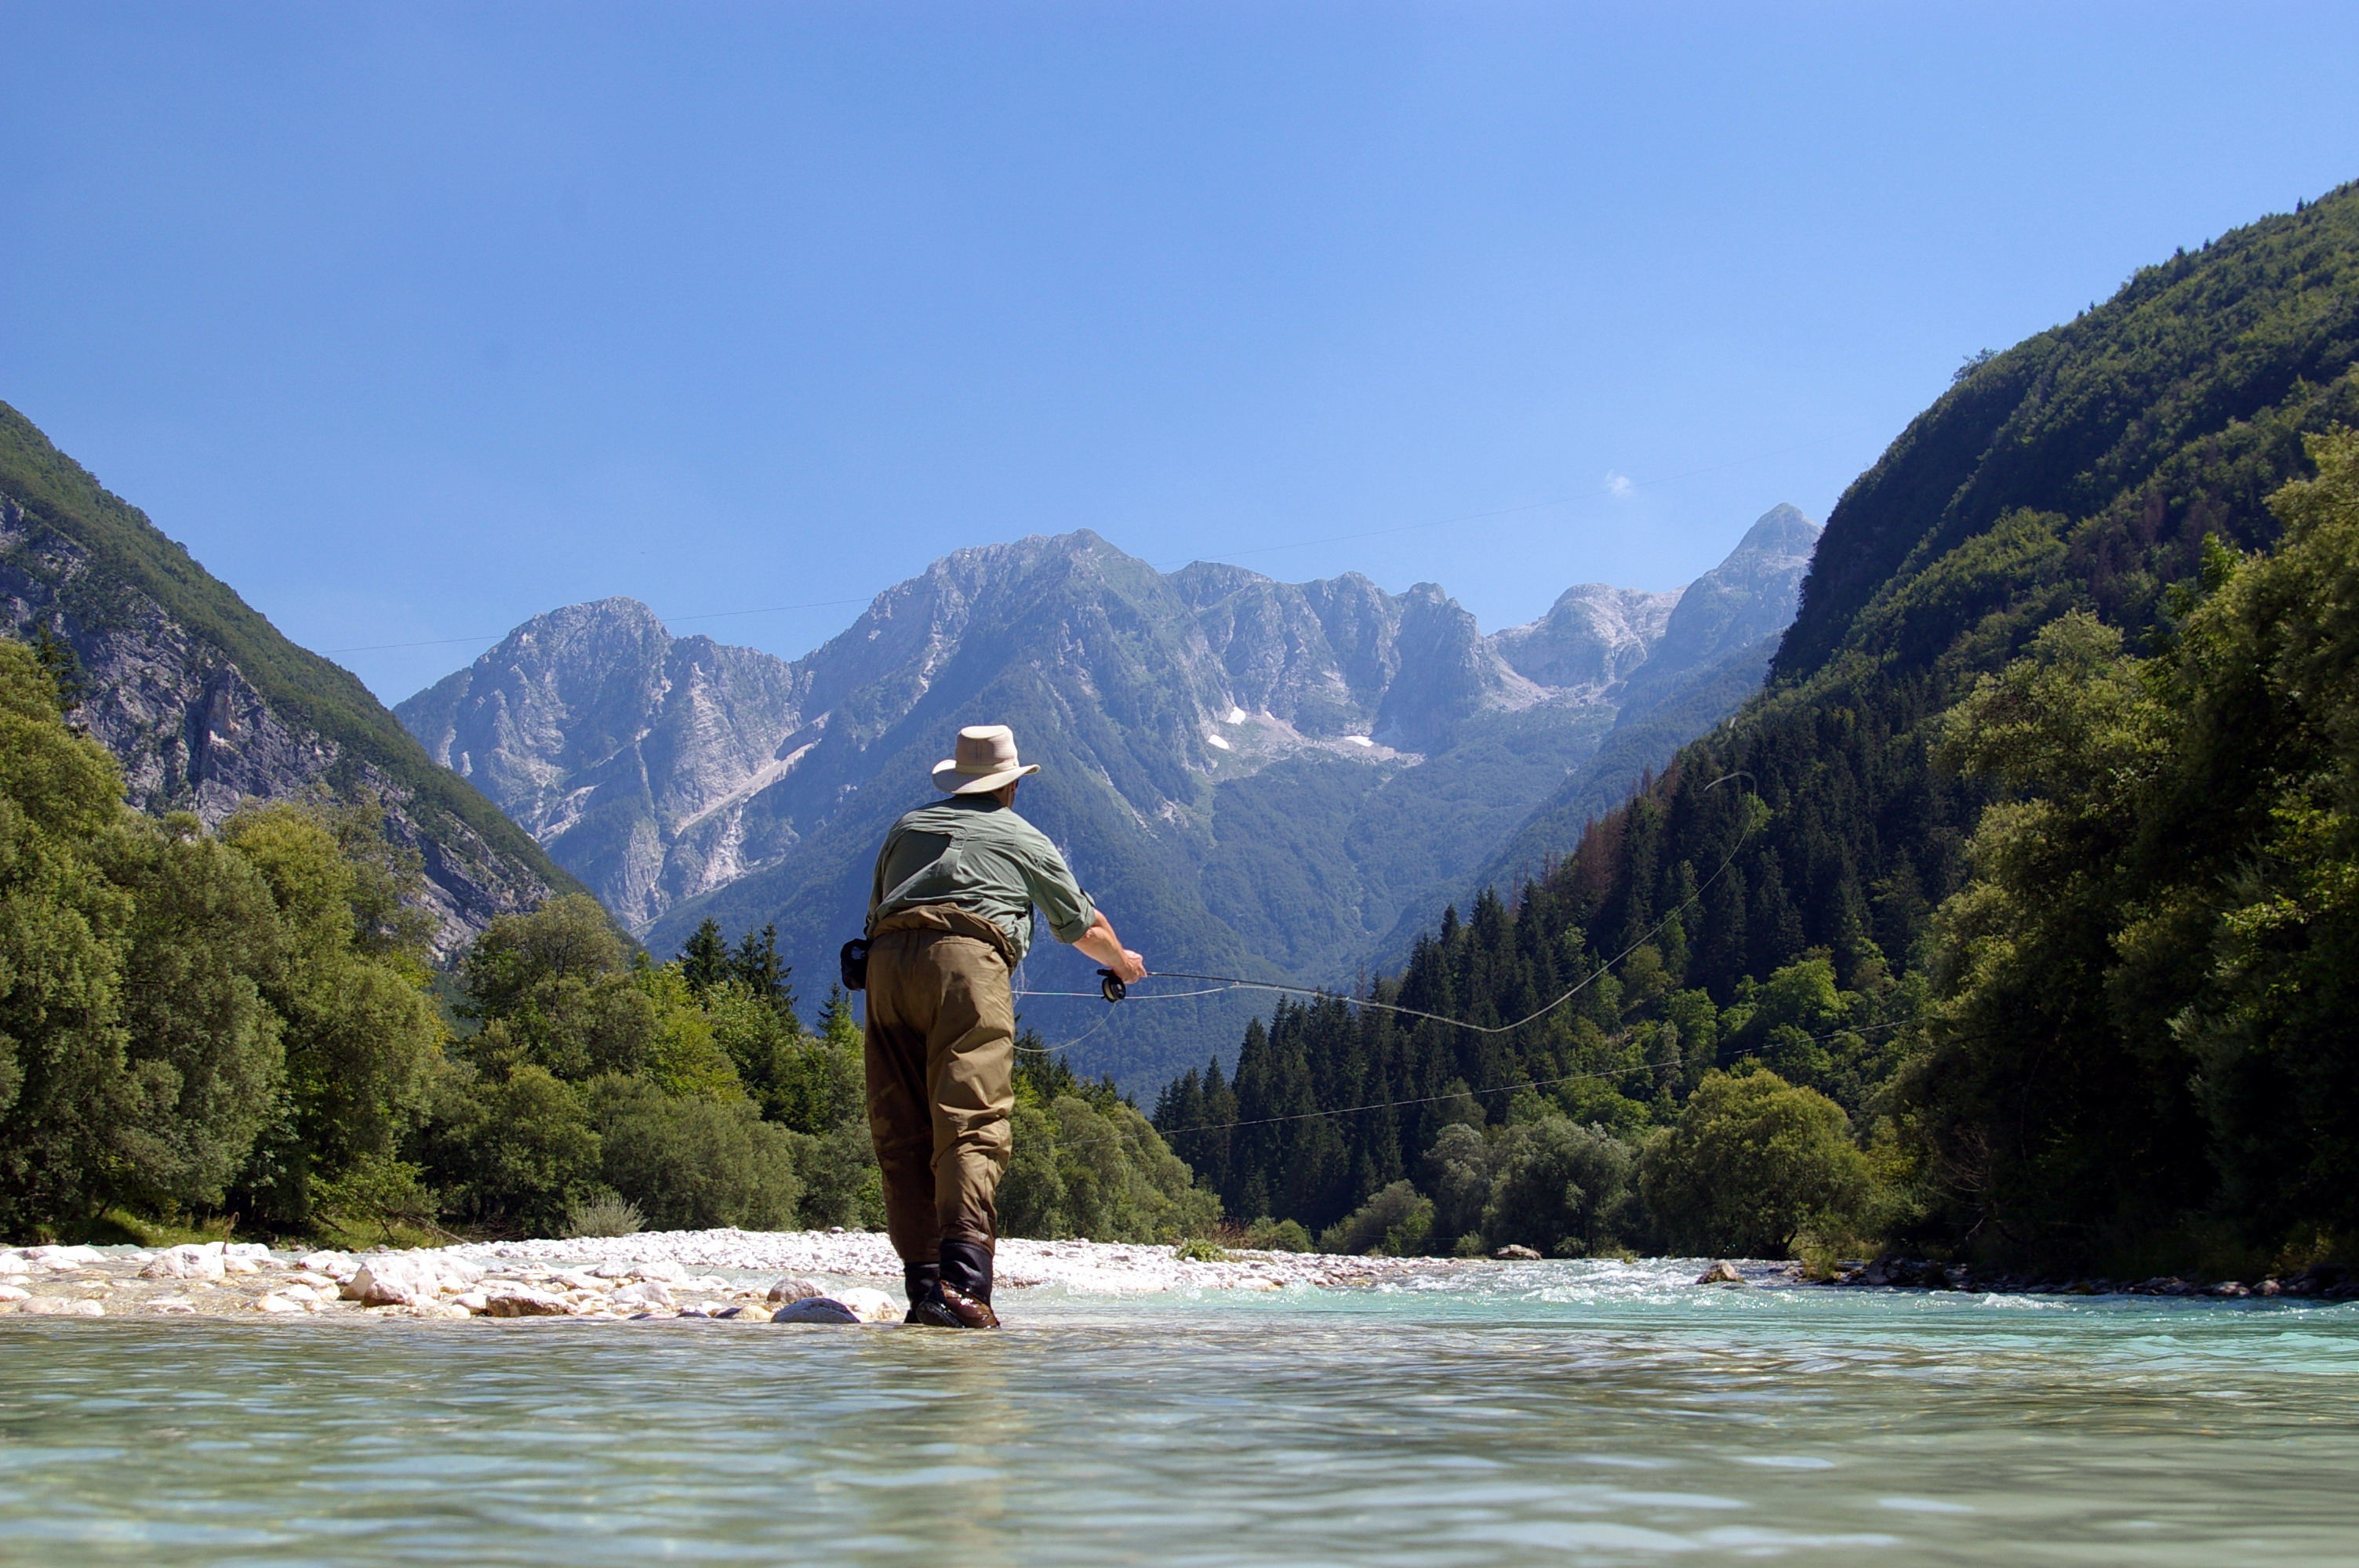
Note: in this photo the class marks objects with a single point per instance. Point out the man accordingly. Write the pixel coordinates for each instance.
(949, 915)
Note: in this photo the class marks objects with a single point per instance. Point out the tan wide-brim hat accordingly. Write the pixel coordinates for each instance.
(986, 760)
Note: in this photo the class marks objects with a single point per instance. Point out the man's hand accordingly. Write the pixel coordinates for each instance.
(1099, 942)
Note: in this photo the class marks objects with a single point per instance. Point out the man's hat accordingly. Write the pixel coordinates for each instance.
(986, 760)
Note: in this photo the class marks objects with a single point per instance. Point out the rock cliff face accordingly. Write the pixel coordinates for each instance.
(594, 728)
(205, 706)
(1256, 776)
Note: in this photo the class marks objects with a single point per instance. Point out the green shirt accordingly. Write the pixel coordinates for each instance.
(970, 852)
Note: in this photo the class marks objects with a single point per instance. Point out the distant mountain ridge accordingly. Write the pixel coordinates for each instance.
(1259, 777)
(205, 705)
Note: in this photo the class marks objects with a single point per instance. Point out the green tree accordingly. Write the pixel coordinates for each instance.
(63, 931)
(515, 1152)
(693, 1162)
(1751, 1163)
(203, 1055)
(363, 1041)
(1564, 1189)
(704, 961)
(2143, 996)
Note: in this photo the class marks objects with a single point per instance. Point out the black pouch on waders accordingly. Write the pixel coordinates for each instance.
(853, 962)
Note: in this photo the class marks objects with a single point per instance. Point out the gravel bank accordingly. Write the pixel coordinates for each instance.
(730, 1275)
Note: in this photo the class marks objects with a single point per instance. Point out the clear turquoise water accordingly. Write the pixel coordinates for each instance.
(1561, 1414)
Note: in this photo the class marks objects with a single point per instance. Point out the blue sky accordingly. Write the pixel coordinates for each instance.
(413, 320)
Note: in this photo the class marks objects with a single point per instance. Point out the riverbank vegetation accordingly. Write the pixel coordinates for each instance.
(237, 1028)
(2012, 923)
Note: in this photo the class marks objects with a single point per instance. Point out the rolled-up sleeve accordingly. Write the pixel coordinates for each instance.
(1050, 883)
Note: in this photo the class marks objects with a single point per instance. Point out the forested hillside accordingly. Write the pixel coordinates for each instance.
(2065, 960)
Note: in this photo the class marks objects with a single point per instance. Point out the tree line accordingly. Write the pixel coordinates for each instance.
(243, 1027)
(2126, 882)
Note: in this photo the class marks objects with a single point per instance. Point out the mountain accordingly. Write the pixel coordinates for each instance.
(205, 704)
(1714, 647)
(1257, 777)
(1778, 885)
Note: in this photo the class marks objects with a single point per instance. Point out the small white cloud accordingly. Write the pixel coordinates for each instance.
(1618, 484)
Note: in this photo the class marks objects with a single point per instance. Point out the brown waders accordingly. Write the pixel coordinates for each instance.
(940, 1055)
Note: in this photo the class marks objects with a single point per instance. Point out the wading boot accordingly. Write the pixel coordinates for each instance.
(920, 1280)
(960, 1297)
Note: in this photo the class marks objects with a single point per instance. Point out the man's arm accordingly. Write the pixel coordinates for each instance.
(1099, 942)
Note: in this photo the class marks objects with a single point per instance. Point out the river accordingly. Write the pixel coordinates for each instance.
(1562, 1412)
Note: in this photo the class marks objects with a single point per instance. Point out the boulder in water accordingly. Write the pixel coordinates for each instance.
(794, 1290)
(1516, 1252)
(815, 1309)
(859, 1305)
(1720, 1273)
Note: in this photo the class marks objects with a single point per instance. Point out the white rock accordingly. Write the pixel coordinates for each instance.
(645, 1293)
(336, 1265)
(14, 1265)
(475, 1302)
(872, 1306)
(709, 1282)
(241, 1266)
(314, 1282)
(524, 1302)
(296, 1291)
(276, 1303)
(172, 1304)
(794, 1290)
(58, 1306)
(58, 1266)
(189, 1262)
(13, 1293)
(257, 1250)
(457, 1273)
(662, 1269)
(394, 1279)
(65, 1254)
(579, 1279)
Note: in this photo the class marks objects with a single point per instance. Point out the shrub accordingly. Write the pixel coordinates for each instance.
(841, 1184)
(1267, 1234)
(1563, 1189)
(692, 1164)
(1089, 1164)
(606, 1213)
(1752, 1162)
(1393, 1222)
(514, 1153)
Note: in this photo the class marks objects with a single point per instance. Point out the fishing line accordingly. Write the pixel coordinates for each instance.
(1675, 1062)
(1114, 990)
